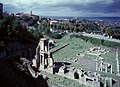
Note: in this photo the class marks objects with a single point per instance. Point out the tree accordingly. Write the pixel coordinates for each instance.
(55, 35)
(109, 31)
(37, 34)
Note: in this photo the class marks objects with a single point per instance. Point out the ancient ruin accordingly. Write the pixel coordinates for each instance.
(43, 58)
(44, 62)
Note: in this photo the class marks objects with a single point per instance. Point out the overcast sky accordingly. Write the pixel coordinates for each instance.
(85, 8)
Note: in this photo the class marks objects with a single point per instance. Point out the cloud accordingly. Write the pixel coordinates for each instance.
(65, 7)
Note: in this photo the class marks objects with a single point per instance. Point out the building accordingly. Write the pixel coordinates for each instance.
(22, 14)
(54, 22)
(1, 10)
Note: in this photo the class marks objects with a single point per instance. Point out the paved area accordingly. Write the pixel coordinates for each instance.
(86, 63)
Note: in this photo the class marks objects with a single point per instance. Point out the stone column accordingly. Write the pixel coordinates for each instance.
(111, 69)
(93, 83)
(106, 68)
(110, 82)
(84, 80)
(101, 66)
(99, 76)
(117, 61)
(96, 65)
(79, 72)
(105, 85)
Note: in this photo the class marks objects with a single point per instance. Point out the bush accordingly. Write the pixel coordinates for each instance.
(55, 35)
(110, 43)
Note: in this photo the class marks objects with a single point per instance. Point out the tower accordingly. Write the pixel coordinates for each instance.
(30, 13)
(1, 10)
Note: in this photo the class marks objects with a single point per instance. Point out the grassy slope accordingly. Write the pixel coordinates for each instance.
(78, 46)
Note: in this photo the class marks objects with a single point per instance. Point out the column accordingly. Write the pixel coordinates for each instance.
(111, 69)
(106, 68)
(110, 82)
(96, 65)
(105, 85)
(117, 61)
(84, 80)
(93, 83)
(101, 66)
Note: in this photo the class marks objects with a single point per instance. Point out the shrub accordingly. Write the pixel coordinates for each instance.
(55, 35)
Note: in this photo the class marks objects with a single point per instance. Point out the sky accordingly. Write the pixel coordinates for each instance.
(77, 8)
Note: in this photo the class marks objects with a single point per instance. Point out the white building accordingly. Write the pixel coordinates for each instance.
(54, 22)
